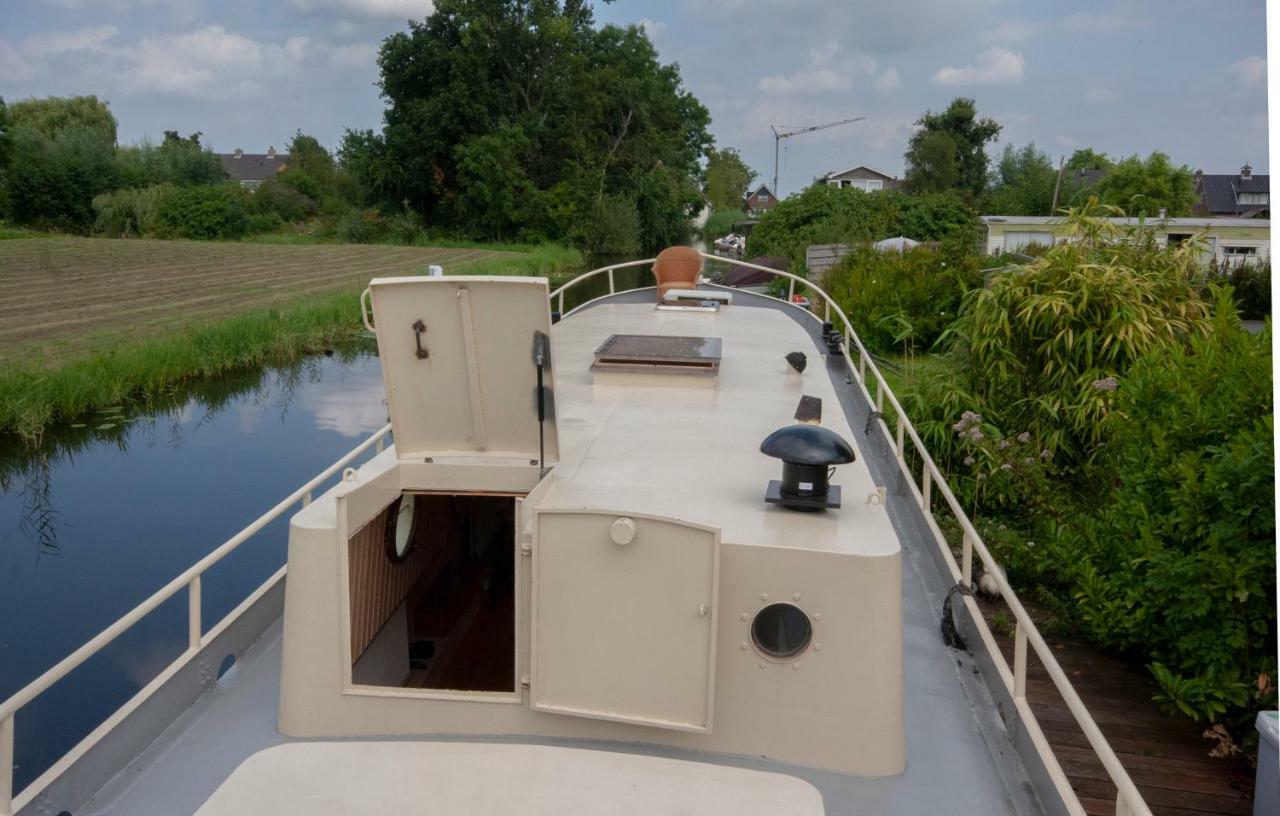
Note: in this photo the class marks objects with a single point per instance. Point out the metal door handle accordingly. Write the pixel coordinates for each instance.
(419, 329)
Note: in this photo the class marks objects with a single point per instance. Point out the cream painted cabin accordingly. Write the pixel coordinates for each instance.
(621, 579)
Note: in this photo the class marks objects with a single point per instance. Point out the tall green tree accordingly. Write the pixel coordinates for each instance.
(1148, 186)
(4, 158)
(928, 169)
(727, 179)
(1022, 183)
(521, 119)
(62, 154)
(1086, 158)
(54, 115)
(311, 169)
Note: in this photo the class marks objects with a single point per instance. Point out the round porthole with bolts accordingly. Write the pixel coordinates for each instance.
(781, 631)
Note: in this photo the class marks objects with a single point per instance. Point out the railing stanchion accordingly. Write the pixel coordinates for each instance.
(306, 498)
(966, 561)
(880, 397)
(1020, 661)
(826, 311)
(926, 490)
(791, 292)
(561, 309)
(380, 445)
(6, 766)
(195, 631)
(902, 437)
(611, 289)
(862, 367)
(1122, 805)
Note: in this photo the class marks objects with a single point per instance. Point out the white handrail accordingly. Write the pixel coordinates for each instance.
(189, 580)
(1129, 800)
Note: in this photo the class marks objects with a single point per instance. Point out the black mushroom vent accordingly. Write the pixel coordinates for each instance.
(809, 453)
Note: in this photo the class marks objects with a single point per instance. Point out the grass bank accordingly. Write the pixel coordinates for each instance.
(34, 396)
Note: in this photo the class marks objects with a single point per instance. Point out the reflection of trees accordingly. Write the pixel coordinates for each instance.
(28, 471)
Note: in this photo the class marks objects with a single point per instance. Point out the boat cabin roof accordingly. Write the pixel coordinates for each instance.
(687, 446)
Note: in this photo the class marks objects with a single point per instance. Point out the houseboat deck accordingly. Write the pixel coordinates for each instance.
(960, 758)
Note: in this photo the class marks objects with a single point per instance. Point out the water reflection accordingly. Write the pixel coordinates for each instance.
(103, 514)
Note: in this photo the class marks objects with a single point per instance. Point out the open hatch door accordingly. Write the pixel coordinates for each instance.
(624, 618)
(467, 367)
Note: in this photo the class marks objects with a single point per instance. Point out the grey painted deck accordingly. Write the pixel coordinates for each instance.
(959, 756)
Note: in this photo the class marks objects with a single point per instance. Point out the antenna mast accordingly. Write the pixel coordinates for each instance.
(779, 135)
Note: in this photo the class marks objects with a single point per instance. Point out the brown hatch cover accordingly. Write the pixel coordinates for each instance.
(659, 353)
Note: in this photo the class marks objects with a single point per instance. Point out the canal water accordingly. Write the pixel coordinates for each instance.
(105, 513)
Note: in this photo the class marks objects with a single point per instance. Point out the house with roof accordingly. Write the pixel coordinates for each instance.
(861, 178)
(1242, 195)
(759, 200)
(251, 169)
(1226, 241)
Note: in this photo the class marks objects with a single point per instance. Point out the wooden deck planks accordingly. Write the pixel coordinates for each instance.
(1166, 756)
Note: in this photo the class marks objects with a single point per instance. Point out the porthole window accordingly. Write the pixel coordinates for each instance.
(400, 528)
(781, 631)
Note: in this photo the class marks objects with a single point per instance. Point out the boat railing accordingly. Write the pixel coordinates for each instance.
(1129, 801)
(196, 636)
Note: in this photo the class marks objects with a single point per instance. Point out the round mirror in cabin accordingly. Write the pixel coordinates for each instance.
(399, 534)
(781, 631)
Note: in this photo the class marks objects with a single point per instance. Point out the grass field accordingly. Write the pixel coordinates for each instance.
(86, 323)
(63, 298)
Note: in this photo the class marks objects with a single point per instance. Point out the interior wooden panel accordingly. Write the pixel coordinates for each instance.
(377, 584)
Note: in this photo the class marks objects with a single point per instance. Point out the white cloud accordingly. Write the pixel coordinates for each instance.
(828, 71)
(388, 9)
(209, 60)
(57, 42)
(1087, 22)
(653, 28)
(1016, 31)
(888, 81)
(1101, 95)
(1250, 72)
(207, 63)
(995, 66)
(354, 55)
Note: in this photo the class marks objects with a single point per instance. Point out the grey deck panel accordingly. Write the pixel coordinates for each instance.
(960, 758)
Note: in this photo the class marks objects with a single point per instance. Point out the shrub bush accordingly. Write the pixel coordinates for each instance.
(204, 213)
(901, 300)
(823, 214)
(1251, 286)
(360, 227)
(129, 213)
(1178, 565)
(613, 228)
(282, 200)
(1044, 342)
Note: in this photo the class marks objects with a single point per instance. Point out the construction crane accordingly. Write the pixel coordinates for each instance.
(779, 135)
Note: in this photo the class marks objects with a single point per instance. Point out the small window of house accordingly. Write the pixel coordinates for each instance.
(762, 197)
(1239, 251)
(874, 184)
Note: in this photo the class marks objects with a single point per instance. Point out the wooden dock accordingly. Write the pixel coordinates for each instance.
(1166, 756)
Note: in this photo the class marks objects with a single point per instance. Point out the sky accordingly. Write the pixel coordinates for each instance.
(1120, 76)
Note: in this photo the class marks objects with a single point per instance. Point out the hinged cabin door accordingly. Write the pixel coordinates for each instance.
(624, 618)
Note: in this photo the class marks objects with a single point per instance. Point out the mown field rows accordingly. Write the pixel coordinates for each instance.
(61, 298)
